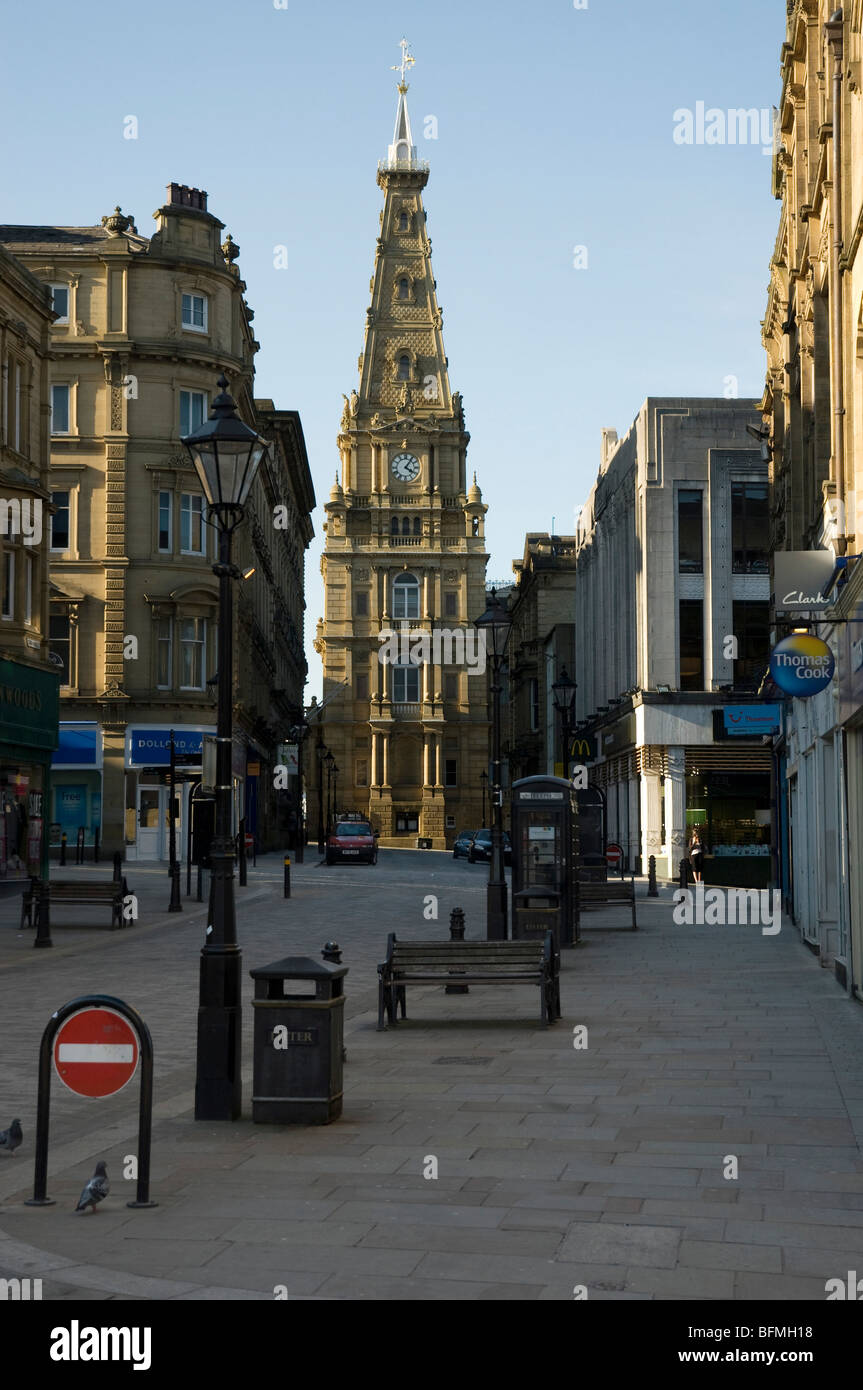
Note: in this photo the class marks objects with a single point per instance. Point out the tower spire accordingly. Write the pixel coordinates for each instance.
(402, 152)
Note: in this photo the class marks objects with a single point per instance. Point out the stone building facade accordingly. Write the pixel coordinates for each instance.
(29, 684)
(813, 419)
(541, 648)
(143, 328)
(671, 563)
(405, 553)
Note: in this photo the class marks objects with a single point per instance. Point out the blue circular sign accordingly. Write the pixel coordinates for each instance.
(802, 665)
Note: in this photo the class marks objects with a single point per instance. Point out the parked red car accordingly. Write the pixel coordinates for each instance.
(352, 840)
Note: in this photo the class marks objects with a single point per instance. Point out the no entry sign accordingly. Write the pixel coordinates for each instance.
(614, 855)
(96, 1052)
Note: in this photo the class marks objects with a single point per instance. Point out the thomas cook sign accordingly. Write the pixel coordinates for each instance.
(802, 665)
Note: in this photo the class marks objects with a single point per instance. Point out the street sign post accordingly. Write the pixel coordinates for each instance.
(93, 1043)
(614, 855)
(96, 1053)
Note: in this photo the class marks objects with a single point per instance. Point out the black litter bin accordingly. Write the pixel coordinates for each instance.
(298, 1042)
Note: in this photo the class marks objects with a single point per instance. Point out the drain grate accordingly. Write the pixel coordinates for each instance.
(462, 1061)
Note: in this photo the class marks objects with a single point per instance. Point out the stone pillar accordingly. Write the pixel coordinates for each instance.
(385, 598)
(374, 777)
(651, 818)
(633, 846)
(675, 806)
(113, 832)
(385, 739)
(427, 590)
(427, 737)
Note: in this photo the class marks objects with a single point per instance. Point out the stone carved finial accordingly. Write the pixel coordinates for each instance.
(230, 249)
(118, 223)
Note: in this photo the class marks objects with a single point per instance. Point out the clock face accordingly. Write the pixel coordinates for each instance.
(406, 467)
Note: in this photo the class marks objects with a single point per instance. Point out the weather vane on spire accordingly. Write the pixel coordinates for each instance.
(406, 62)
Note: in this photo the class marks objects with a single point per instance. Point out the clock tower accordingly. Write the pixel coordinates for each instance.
(404, 564)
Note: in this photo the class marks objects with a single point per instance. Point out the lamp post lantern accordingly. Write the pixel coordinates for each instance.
(495, 625)
(563, 694)
(226, 455)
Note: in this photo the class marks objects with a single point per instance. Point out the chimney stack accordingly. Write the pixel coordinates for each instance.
(179, 195)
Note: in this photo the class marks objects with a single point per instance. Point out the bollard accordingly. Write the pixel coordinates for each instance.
(456, 933)
(96, 845)
(332, 953)
(118, 866)
(652, 890)
(288, 878)
(43, 915)
(63, 849)
(684, 873)
(175, 905)
(79, 846)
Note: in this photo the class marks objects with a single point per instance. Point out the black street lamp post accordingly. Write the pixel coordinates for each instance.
(335, 791)
(330, 762)
(495, 625)
(321, 750)
(175, 905)
(483, 777)
(226, 455)
(299, 734)
(563, 693)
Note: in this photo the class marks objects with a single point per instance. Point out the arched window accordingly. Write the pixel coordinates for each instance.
(404, 288)
(418, 527)
(406, 526)
(404, 222)
(404, 367)
(394, 526)
(406, 596)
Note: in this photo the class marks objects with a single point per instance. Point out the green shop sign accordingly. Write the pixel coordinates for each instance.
(29, 706)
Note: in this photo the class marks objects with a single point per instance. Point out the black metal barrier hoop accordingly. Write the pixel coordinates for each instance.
(145, 1113)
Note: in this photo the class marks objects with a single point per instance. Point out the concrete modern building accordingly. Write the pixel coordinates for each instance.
(541, 648)
(672, 569)
(29, 682)
(813, 416)
(143, 328)
(405, 553)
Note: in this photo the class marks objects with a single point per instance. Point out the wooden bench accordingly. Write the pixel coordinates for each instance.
(615, 890)
(467, 963)
(65, 892)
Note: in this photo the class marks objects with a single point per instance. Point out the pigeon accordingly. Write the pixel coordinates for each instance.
(10, 1139)
(97, 1188)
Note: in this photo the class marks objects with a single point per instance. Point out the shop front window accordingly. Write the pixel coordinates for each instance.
(21, 821)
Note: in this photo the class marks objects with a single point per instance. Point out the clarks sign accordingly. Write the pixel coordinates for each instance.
(800, 580)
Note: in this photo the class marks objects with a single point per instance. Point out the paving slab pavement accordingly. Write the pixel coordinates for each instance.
(557, 1166)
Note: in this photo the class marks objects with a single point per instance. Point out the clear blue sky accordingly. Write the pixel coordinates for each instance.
(555, 129)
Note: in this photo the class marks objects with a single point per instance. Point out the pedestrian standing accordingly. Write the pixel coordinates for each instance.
(696, 856)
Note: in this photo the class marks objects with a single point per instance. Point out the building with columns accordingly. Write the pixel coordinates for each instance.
(672, 569)
(405, 553)
(143, 326)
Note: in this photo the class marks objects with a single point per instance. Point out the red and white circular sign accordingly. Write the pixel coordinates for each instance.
(96, 1052)
(614, 855)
